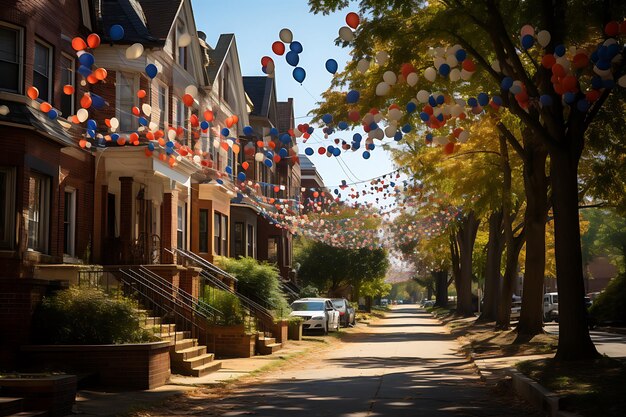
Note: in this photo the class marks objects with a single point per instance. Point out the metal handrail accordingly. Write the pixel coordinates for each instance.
(203, 262)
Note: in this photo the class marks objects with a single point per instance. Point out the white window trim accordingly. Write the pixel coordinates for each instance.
(72, 222)
(8, 241)
(164, 113)
(20, 59)
(73, 68)
(40, 41)
(44, 219)
(180, 28)
(118, 107)
(183, 210)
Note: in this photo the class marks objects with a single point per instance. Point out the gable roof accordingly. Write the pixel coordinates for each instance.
(218, 54)
(259, 89)
(144, 21)
(285, 115)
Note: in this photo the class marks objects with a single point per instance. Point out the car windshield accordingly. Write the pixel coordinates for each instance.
(338, 303)
(307, 306)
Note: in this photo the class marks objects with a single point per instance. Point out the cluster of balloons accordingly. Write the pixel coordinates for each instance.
(292, 56)
(346, 33)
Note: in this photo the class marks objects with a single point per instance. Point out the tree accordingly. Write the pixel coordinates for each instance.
(554, 127)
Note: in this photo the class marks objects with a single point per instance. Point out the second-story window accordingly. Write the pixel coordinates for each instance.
(181, 51)
(67, 78)
(225, 84)
(10, 58)
(42, 70)
(125, 101)
(163, 110)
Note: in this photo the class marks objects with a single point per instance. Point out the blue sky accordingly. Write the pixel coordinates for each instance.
(256, 25)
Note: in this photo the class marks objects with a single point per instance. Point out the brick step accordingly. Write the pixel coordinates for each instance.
(173, 335)
(182, 344)
(162, 329)
(265, 341)
(34, 413)
(10, 405)
(206, 368)
(188, 353)
(197, 361)
(153, 321)
(269, 349)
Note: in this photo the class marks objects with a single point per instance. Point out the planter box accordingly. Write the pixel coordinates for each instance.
(280, 331)
(295, 330)
(127, 366)
(232, 341)
(52, 393)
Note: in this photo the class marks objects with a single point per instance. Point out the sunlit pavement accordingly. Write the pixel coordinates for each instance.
(404, 365)
(610, 344)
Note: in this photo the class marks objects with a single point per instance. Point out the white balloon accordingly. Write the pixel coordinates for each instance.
(456, 110)
(378, 117)
(259, 157)
(82, 115)
(382, 89)
(564, 62)
(114, 123)
(184, 40)
(382, 57)
(216, 143)
(346, 34)
(192, 90)
(412, 79)
(363, 65)
(88, 145)
(495, 65)
(543, 38)
(440, 51)
(378, 134)
(197, 159)
(285, 35)
(295, 148)
(390, 131)
(438, 61)
(390, 77)
(463, 136)
(516, 88)
(452, 50)
(622, 81)
(171, 134)
(422, 96)
(270, 67)
(466, 75)
(452, 61)
(430, 74)
(368, 118)
(134, 51)
(4, 110)
(153, 127)
(146, 109)
(394, 114)
(455, 75)
(298, 133)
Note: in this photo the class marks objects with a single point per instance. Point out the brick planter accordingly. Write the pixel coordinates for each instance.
(232, 341)
(53, 393)
(294, 330)
(280, 330)
(126, 366)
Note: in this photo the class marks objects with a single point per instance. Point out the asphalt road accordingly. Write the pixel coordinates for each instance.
(404, 365)
(610, 344)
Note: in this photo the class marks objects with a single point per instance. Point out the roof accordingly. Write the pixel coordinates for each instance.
(285, 115)
(259, 89)
(218, 54)
(144, 21)
(305, 163)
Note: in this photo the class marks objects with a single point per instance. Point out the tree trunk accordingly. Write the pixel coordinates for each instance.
(536, 189)
(466, 236)
(495, 246)
(429, 292)
(574, 340)
(441, 288)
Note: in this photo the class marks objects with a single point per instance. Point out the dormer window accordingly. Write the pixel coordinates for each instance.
(181, 51)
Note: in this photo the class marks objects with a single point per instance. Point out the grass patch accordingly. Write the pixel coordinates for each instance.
(592, 389)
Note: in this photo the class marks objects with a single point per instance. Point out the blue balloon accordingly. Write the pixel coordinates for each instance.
(497, 100)
(327, 118)
(342, 125)
(92, 124)
(352, 97)
(356, 145)
(603, 64)
(331, 66)
(219, 181)
(299, 74)
(296, 47)
(116, 32)
(169, 144)
(432, 101)
(608, 83)
(150, 146)
(583, 105)
(444, 70)
(248, 131)
(559, 50)
(91, 133)
(87, 59)
(398, 136)
(268, 163)
(309, 151)
(424, 116)
(285, 138)
(143, 121)
(373, 126)
(460, 55)
(204, 125)
(545, 100)
(597, 83)
(53, 114)
(115, 137)
(151, 70)
(569, 97)
(84, 71)
(310, 130)
(357, 137)
(366, 155)
(97, 102)
(483, 99)
(292, 58)
(507, 83)
(406, 128)
(440, 99)
(225, 132)
(273, 132)
(269, 154)
(264, 69)
(472, 102)
(283, 152)
(528, 41)
(241, 176)
(370, 146)
(228, 170)
(411, 107)
(336, 152)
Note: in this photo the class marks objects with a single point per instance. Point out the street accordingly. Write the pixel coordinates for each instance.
(610, 344)
(403, 365)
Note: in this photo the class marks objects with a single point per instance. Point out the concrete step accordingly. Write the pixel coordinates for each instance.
(184, 344)
(188, 353)
(269, 349)
(34, 413)
(10, 405)
(173, 335)
(163, 329)
(197, 361)
(267, 341)
(153, 321)
(206, 368)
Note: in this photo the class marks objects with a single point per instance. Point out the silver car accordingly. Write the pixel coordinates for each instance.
(347, 315)
(318, 314)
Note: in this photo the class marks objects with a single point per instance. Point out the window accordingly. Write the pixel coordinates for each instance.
(287, 249)
(7, 207)
(231, 160)
(239, 240)
(204, 230)
(38, 212)
(163, 111)
(225, 84)
(180, 227)
(272, 249)
(224, 230)
(181, 52)
(220, 235)
(42, 70)
(180, 113)
(10, 58)
(67, 78)
(126, 101)
(69, 222)
(250, 241)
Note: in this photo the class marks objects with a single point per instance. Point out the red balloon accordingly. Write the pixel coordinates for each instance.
(321, 150)
(208, 115)
(188, 100)
(548, 61)
(265, 60)
(406, 69)
(353, 20)
(93, 40)
(611, 28)
(469, 66)
(278, 48)
(354, 115)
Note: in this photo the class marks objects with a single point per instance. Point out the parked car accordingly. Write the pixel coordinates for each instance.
(428, 303)
(318, 314)
(551, 307)
(516, 307)
(346, 312)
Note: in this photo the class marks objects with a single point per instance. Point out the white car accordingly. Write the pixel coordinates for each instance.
(318, 314)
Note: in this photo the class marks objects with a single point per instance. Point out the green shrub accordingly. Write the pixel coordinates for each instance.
(309, 291)
(87, 316)
(610, 306)
(228, 304)
(259, 281)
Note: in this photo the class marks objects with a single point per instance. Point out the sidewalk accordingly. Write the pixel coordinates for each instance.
(99, 403)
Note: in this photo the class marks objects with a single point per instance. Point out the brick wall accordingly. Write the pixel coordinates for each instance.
(189, 281)
(169, 217)
(232, 341)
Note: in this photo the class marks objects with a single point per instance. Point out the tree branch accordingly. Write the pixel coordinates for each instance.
(512, 140)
